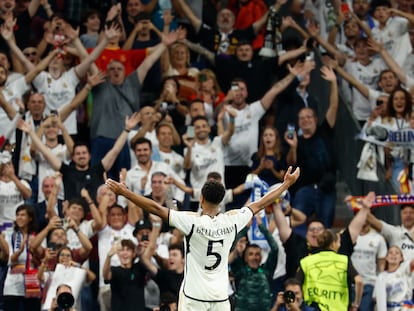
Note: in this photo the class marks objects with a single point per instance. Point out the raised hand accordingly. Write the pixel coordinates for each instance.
(122, 176)
(314, 28)
(374, 45)
(112, 31)
(231, 111)
(296, 69)
(114, 186)
(97, 78)
(85, 194)
(70, 33)
(6, 32)
(368, 200)
(168, 17)
(23, 126)
(290, 177)
(328, 74)
(113, 12)
(181, 33)
(287, 21)
(169, 38)
(132, 121)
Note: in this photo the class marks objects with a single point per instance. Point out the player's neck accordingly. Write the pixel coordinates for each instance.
(210, 210)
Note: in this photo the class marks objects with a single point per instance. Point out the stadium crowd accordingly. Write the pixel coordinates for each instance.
(165, 95)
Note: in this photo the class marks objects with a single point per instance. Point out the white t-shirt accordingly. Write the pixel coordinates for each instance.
(14, 283)
(14, 90)
(397, 286)
(395, 38)
(59, 92)
(10, 199)
(368, 248)
(61, 152)
(205, 159)
(281, 255)
(73, 240)
(106, 237)
(244, 141)
(135, 174)
(208, 243)
(152, 136)
(408, 65)
(367, 75)
(175, 161)
(401, 237)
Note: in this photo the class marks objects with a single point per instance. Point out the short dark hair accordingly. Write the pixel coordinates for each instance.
(158, 173)
(197, 118)
(360, 39)
(377, 3)
(80, 144)
(213, 191)
(292, 281)
(250, 245)
(88, 13)
(173, 78)
(117, 206)
(178, 246)
(49, 234)
(140, 141)
(196, 100)
(128, 243)
(237, 80)
(80, 202)
(315, 220)
(244, 42)
(63, 285)
(214, 175)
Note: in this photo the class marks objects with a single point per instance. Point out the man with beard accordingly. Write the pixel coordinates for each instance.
(204, 155)
(81, 174)
(138, 178)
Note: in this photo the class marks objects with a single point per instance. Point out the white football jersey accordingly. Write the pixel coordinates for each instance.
(207, 245)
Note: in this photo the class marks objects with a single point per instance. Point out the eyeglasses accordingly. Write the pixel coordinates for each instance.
(65, 255)
(27, 54)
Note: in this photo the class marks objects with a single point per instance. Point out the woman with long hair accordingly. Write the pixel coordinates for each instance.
(393, 290)
(268, 162)
(20, 261)
(396, 117)
(64, 258)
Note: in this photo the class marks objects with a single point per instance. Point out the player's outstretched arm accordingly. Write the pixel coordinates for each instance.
(289, 179)
(147, 204)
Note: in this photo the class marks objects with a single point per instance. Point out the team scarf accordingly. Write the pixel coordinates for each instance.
(354, 202)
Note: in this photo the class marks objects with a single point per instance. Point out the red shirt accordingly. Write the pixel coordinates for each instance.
(131, 59)
(246, 15)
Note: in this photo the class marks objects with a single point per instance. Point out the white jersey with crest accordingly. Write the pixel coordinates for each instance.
(207, 245)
